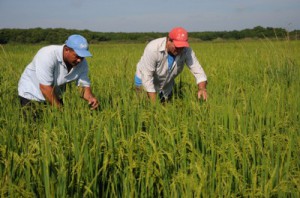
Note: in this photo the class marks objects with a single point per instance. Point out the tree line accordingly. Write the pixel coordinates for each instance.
(59, 35)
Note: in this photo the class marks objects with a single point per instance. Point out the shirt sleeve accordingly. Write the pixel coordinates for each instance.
(83, 79)
(147, 66)
(194, 66)
(44, 65)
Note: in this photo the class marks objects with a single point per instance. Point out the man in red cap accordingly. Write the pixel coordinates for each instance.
(163, 60)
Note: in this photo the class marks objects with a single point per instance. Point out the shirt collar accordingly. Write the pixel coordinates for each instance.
(162, 47)
(59, 53)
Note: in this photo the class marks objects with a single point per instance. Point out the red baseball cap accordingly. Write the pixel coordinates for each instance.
(179, 36)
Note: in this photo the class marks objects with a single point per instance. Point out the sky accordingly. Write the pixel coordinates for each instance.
(150, 15)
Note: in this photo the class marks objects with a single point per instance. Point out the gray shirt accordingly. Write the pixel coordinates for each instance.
(48, 68)
(153, 67)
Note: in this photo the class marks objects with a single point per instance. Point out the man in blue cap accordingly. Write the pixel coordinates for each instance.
(45, 78)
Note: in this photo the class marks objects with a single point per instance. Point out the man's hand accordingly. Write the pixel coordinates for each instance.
(88, 95)
(202, 94)
(202, 91)
(93, 102)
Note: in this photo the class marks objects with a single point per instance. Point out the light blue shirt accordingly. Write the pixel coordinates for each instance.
(48, 68)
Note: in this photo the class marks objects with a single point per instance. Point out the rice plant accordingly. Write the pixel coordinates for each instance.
(243, 142)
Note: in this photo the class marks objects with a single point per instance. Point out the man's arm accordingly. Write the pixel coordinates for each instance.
(152, 96)
(198, 72)
(88, 96)
(48, 93)
(147, 67)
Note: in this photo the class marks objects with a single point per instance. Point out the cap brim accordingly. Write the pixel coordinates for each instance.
(83, 53)
(181, 43)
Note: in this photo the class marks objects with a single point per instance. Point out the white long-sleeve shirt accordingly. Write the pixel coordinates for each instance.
(48, 68)
(153, 69)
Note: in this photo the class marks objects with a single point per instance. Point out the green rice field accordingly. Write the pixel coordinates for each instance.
(243, 142)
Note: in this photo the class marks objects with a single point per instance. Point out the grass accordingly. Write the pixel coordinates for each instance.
(244, 141)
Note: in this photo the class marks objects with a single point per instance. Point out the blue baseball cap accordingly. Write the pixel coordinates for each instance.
(79, 44)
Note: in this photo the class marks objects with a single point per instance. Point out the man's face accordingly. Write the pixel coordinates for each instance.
(172, 49)
(72, 58)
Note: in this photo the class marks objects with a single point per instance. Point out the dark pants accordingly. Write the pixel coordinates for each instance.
(26, 102)
(165, 99)
(32, 110)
